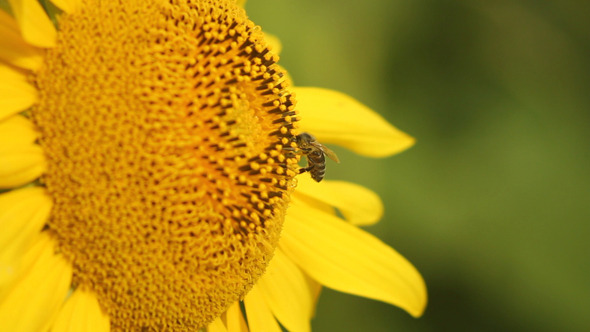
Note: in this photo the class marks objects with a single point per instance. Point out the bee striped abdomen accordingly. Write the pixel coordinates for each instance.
(317, 161)
(316, 156)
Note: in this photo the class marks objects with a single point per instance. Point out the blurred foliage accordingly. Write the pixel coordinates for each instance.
(493, 203)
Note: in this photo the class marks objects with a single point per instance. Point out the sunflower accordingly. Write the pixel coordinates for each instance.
(148, 175)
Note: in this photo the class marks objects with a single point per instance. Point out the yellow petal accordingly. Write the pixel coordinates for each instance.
(334, 117)
(315, 288)
(13, 48)
(285, 290)
(241, 3)
(274, 42)
(16, 94)
(357, 204)
(68, 6)
(313, 202)
(345, 258)
(235, 319)
(81, 312)
(10, 272)
(36, 27)
(20, 165)
(17, 131)
(216, 326)
(23, 214)
(260, 318)
(33, 301)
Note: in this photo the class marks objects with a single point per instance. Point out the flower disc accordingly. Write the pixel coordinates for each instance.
(164, 125)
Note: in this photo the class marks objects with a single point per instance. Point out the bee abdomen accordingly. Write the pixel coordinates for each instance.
(318, 172)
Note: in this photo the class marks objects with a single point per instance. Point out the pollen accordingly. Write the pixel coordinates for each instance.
(166, 127)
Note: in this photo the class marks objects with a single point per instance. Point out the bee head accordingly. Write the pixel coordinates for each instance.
(303, 139)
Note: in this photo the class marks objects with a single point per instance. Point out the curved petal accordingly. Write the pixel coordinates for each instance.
(13, 48)
(16, 94)
(274, 42)
(81, 312)
(286, 292)
(358, 205)
(33, 301)
(315, 289)
(20, 165)
(68, 6)
(334, 117)
(235, 319)
(23, 214)
(312, 201)
(216, 326)
(260, 318)
(17, 130)
(35, 26)
(345, 258)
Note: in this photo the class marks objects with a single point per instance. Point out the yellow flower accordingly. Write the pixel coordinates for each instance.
(147, 160)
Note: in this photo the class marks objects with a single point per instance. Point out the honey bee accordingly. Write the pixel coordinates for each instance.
(316, 156)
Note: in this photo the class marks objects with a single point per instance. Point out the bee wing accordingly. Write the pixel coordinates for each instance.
(330, 154)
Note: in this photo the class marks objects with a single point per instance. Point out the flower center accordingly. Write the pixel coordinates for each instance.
(164, 124)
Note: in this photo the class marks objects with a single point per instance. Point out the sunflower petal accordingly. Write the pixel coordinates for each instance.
(34, 299)
(315, 289)
(23, 213)
(81, 312)
(315, 203)
(357, 204)
(216, 326)
(235, 319)
(334, 117)
(15, 93)
(285, 290)
(35, 25)
(10, 271)
(345, 258)
(274, 42)
(13, 48)
(68, 6)
(260, 318)
(17, 130)
(20, 165)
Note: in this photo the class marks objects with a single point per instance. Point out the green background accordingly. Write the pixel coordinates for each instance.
(492, 204)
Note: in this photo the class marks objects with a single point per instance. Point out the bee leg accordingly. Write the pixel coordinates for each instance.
(296, 151)
(305, 169)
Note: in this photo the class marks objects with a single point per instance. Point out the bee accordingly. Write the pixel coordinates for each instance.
(316, 154)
